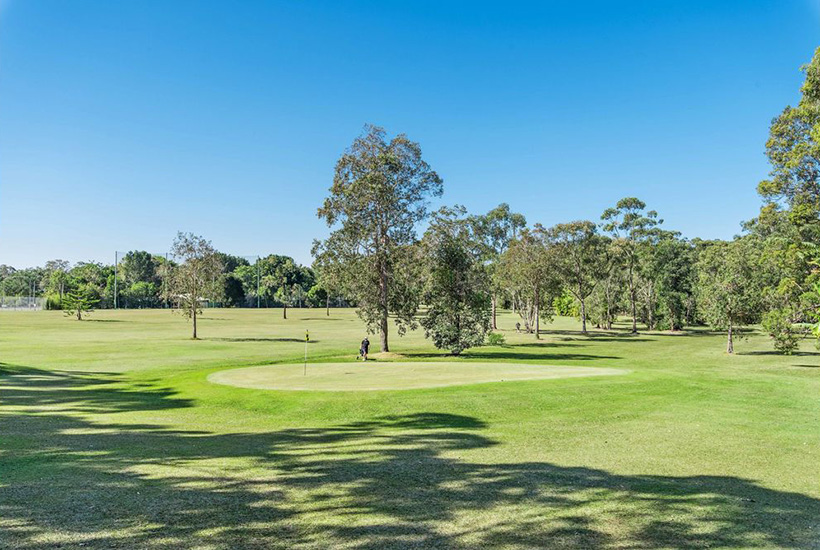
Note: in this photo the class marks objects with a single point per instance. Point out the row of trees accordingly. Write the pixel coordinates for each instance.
(140, 280)
(464, 266)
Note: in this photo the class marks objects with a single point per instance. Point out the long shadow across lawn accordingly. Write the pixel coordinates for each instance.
(261, 339)
(71, 475)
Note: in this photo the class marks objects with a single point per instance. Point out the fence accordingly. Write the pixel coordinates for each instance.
(21, 303)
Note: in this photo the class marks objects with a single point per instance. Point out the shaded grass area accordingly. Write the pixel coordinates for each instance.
(383, 483)
(132, 448)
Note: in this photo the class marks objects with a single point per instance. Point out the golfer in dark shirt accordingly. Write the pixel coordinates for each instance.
(365, 347)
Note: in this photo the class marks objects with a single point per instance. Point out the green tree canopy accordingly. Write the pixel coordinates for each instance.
(729, 290)
(195, 278)
(579, 259)
(630, 224)
(380, 192)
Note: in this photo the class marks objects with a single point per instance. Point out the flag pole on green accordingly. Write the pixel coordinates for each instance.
(307, 339)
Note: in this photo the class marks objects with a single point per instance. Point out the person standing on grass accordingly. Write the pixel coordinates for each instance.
(364, 349)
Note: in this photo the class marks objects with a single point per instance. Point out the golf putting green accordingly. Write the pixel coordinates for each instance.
(372, 376)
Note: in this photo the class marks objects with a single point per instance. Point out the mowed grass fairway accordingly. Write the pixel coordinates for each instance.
(111, 436)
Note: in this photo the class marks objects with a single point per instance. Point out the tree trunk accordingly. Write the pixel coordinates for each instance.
(285, 311)
(633, 299)
(79, 314)
(383, 305)
(194, 319)
(730, 345)
(495, 326)
(673, 323)
(327, 306)
(537, 317)
(383, 333)
(583, 316)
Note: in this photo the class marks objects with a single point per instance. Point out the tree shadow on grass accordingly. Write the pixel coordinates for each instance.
(774, 352)
(262, 339)
(596, 335)
(496, 353)
(71, 477)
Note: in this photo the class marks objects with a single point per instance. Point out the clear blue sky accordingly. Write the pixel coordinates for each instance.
(123, 122)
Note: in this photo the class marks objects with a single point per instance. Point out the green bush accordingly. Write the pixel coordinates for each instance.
(53, 302)
(496, 339)
(785, 334)
(565, 305)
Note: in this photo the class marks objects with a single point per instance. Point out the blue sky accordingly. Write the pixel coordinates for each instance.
(124, 122)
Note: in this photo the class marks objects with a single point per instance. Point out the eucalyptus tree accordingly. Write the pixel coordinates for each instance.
(138, 266)
(56, 277)
(579, 254)
(527, 269)
(789, 221)
(793, 149)
(603, 303)
(380, 192)
(630, 224)
(329, 273)
(729, 290)
(495, 230)
(457, 289)
(669, 266)
(194, 277)
(282, 280)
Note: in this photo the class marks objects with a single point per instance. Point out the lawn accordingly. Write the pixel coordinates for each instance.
(112, 436)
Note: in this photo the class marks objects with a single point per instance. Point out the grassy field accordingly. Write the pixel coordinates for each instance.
(111, 436)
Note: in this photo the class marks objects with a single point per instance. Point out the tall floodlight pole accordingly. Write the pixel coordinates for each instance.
(257, 282)
(115, 279)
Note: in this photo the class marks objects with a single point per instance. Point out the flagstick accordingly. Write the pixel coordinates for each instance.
(307, 339)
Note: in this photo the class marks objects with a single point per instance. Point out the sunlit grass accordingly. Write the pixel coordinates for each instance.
(112, 436)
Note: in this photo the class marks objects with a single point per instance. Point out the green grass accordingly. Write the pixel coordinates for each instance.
(111, 436)
(392, 375)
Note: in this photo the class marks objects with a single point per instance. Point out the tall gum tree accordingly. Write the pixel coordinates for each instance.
(380, 193)
(495, 230)
(527, 269)
(580, 259)
(629, 225)
(196, 278)
(729, 290)
(789, 221)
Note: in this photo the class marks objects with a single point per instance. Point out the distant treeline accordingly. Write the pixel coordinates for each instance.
(139, 280)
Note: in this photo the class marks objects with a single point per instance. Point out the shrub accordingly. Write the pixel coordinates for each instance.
(496, 339)
(53, 302)
(565, 305)
(784, 333)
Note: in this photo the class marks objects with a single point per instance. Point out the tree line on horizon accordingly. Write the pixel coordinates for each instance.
(142, 279)
(452, 279)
